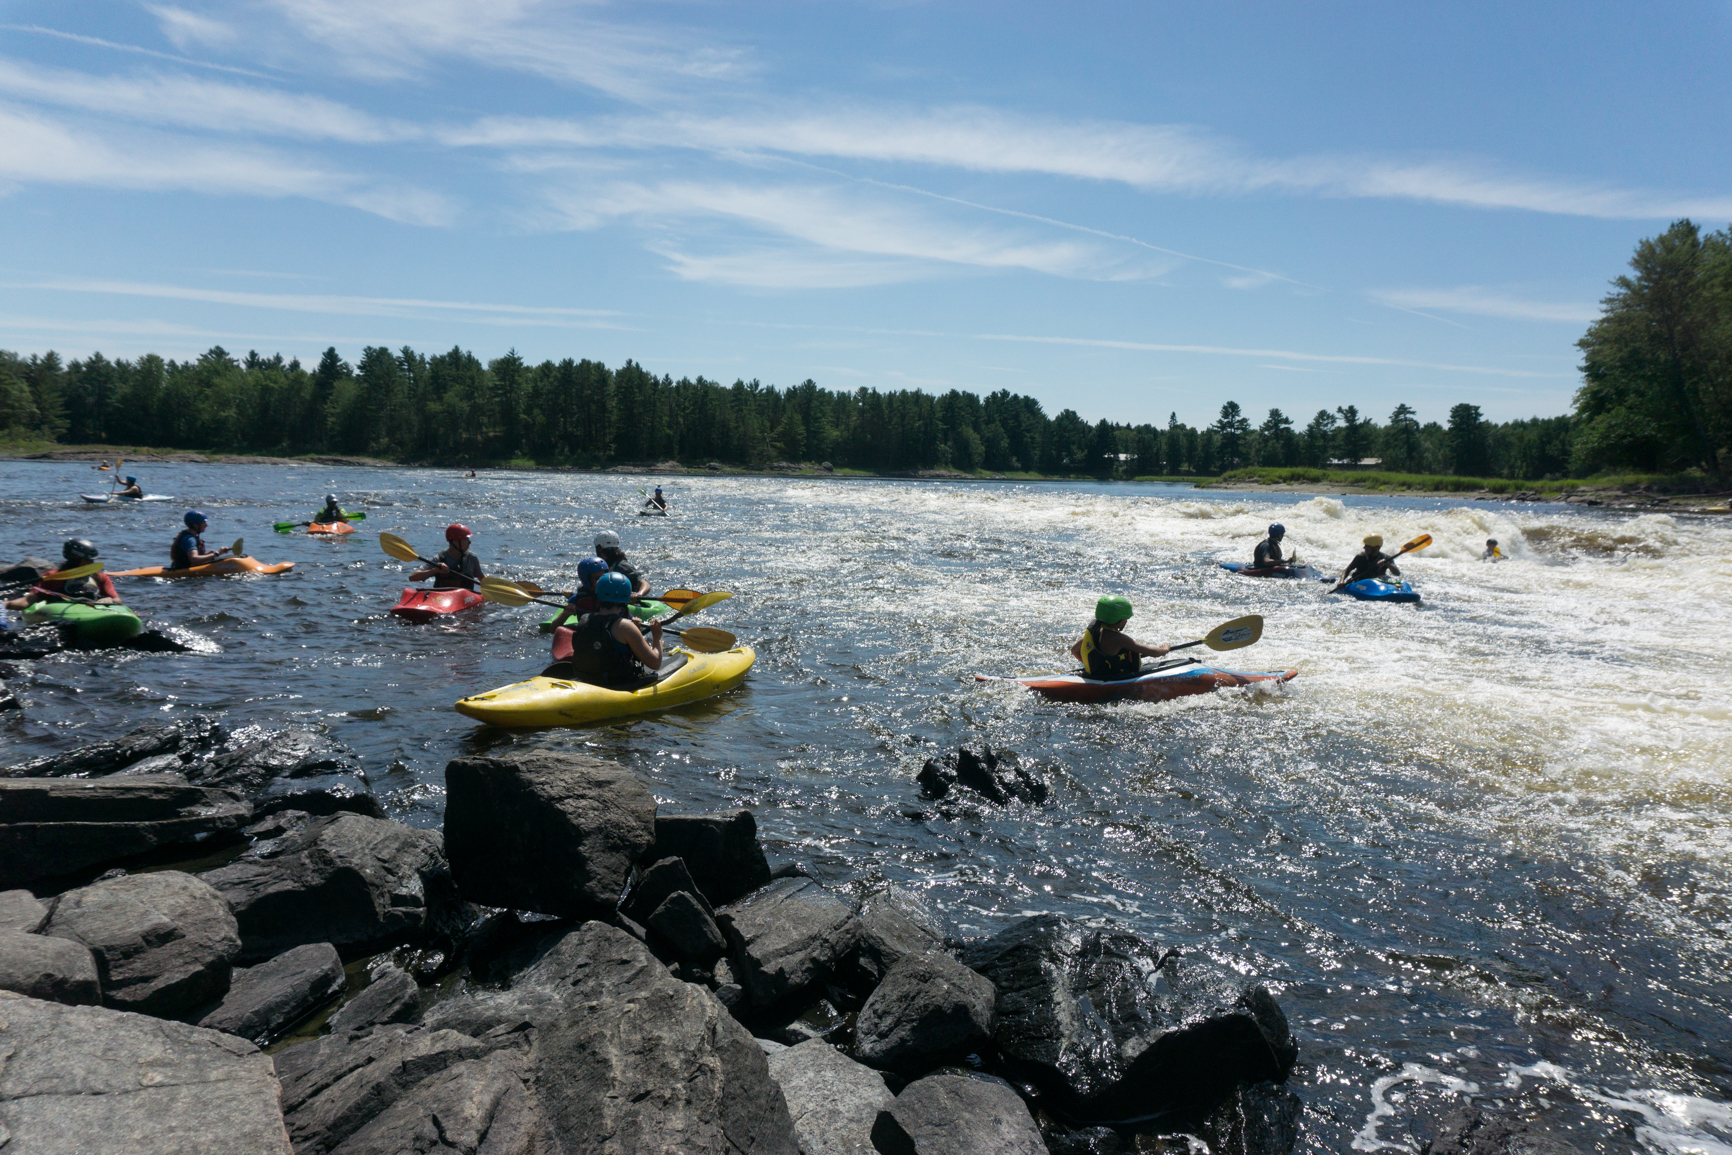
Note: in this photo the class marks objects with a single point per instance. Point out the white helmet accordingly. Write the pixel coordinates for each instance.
(606, 539)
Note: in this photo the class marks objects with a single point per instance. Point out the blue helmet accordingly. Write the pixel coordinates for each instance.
(590, 567)
(194, 517)
(132, 481)
(1277, 530)
(613, 587)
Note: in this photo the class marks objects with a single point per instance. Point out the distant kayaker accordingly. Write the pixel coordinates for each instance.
(188, 549)
(607, 547)
(1492, 552)
(333, 512)
(582, 599)
(97, 588)
(130, 489)
(1268, 551)
(1105, 650)
(658, 501)
(471, 473)
(1370, 562)
(607, 647)
(454, 567)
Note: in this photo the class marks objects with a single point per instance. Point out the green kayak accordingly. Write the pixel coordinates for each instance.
(644, 610)
(83, 625)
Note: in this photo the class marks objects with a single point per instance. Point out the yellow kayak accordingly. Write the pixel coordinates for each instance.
(561, 702)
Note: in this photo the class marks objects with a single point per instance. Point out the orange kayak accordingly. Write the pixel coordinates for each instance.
(425, 605)
(334, 528)
(224, 565)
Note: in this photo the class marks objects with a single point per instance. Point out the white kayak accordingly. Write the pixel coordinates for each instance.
(118, 499)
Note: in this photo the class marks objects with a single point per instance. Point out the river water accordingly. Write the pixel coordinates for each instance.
(1478, 847)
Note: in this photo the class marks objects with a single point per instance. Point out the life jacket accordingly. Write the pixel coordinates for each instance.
(464, 564)
(1267, 553)
(1116, 667)
(180, 554)
(597, 656)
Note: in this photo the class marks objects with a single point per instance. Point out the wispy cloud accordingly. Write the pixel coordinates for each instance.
(133, 48)
(1483, 302)
(184, 28)
(1272, 354)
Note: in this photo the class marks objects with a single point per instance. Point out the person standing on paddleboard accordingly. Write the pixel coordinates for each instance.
(96, 588)
(607, 647)
(1371, 562)
(607, 547)
(1268, 551)
(1105, 650)
(333, 512)
(455, 567)
(130, 489)
(188, 549)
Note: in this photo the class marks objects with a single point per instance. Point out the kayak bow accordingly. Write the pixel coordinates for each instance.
(424, 605)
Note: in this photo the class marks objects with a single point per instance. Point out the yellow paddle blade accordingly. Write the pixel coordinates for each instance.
(705, 640)
(1236, 633)
(705, 602)
(1419, 542)
(239, 548)
(77, 571)
(677, 598)
(503, 592)
(397, 547)
(530, 588)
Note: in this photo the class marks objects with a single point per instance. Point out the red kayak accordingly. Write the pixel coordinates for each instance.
(1156, 685)
(425, 605)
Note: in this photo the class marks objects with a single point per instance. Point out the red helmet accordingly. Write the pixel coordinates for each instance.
(455, 531)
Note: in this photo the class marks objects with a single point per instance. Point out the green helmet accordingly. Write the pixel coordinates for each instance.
(1113, 608)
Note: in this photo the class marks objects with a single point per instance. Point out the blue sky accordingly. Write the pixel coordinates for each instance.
(1127, 209)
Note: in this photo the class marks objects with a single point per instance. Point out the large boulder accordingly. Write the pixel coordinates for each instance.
(54, 827)
(721, 850)
(893, 923)
(362, 884)
(951, 1114)
(21, 910)
(165, 943)
(78, 1080)
(392, 997)
(264, 999)
(788, 937)
(45, 967)
(167, 744)
(929, 1010)
(551, 832)
(833, 1100)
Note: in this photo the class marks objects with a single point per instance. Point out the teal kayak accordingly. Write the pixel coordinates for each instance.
(1377, 590)
(643, 610)
(83, 625)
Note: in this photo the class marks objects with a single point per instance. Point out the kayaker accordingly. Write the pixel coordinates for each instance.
(1492, 552)
(1105, 650)
(130, 489)
(1268, 551)
(455, 566)
(1370, 562)
(582, 599)
(188, 549)
(607, 646)
(95, 588)
(607, 547)
(658, 501)
(332, 512)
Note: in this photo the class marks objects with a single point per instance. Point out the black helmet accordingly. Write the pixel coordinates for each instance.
(1277, 530)
(79, 549)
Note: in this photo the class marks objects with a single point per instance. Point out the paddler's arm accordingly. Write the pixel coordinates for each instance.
(1076, 649)
(1159, 651)
(648, 652)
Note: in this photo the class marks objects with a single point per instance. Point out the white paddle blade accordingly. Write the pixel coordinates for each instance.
(1236, 634)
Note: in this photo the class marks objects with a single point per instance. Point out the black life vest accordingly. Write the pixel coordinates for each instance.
(599, 657)
(1127, 663)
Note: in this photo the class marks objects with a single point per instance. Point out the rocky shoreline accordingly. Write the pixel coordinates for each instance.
(563, 968)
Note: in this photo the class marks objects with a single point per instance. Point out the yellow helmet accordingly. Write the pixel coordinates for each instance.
(1374, 540)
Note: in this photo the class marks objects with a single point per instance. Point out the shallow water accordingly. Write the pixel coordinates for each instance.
(1478, 846)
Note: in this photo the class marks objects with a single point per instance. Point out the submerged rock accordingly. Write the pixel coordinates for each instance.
(997, 776)
(1470, 1131)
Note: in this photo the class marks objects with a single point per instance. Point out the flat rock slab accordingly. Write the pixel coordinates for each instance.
(929, 1010)
(44, 967)
(392, 997)
(721, 851)
(154, 740)
(833, 1100)
(84, 1080)
(54, 827)
(957, 1115)
(481, 1106)
(165, 943)
(550, 832)
(264, 999)
(788, 937)
(362, 884)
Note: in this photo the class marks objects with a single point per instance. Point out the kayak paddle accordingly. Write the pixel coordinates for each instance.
(703, 639)
(1231, 635)
(77, 571)
(286, 526)
(1419, 542)
(239, 548)
(700, 603)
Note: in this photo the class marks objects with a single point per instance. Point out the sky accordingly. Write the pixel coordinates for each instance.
(1129, 209)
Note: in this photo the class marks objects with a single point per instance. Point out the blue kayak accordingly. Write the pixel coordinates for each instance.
(1245, 569)
(1377, 590)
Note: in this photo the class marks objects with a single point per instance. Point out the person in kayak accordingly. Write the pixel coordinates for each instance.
(582, 599)
(1492, 552)
(607, 547)
(188, 549)
(455, 566)
(1268, 552)
(1370, 562)
(1105, 650)
(130, 489)
(332, 512)
(657, 501)
(607, 646)
(95, 588)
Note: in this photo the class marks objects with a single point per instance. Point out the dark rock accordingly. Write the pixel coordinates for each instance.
(9, 700)
(20, 910)
(361, 884)
(668, 876)
(550, 832)
(186, 739)
(893, 923)
(684, 924)
(27, 572)
(1471, 1131)
(936, 777)
(997, 776)
(392, 997)
(929, 1010)
(265, 999)
(164, 943)
(832, 1099)
(481, 1106)
(87, 1079)
(721, 851)
(788, 937)
(44, 967)
(337, 798)
(957, 1115)
(254, 758)
(169, 639)
(1262, 1119)
(53, 827)
(821, 1021)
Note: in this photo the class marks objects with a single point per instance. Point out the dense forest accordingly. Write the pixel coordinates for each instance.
(1657, 395)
